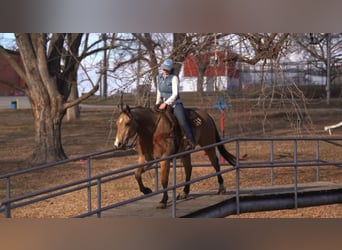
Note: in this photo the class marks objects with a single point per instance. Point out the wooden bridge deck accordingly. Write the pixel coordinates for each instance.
(207, 204)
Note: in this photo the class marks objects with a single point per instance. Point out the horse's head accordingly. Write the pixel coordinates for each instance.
(126, 127)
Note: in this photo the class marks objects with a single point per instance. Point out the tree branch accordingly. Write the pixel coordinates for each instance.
(13, 63)
(83, 97)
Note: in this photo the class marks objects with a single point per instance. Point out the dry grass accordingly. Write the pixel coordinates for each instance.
(94, 131)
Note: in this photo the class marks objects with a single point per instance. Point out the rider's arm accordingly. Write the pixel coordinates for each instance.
(158, 98)
(172, 98)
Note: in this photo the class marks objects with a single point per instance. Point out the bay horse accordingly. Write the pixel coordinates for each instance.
(156, 138)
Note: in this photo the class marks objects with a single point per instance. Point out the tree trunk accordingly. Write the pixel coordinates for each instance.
(47, 103)
(74, 111)
(48, 114)
(200, 83)
(48, 147)
(50, 64)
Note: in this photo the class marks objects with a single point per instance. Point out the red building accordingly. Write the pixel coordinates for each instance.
(8, 75)
(217, 67)
(214, 68)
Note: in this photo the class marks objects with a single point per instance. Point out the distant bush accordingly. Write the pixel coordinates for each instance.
(319, 91)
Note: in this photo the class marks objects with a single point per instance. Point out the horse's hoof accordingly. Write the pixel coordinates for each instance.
(162, 205)
(221, 191)
(147, 191)
(182, 196)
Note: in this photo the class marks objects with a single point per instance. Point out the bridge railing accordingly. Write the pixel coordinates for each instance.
(12, 202)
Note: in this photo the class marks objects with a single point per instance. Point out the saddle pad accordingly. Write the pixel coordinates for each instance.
(195, 119)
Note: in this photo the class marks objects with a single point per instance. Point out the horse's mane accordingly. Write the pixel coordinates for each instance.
(138, 109)
(143, 114)
(128, 109)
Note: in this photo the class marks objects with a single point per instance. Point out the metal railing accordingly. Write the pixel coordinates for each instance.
(12, 202)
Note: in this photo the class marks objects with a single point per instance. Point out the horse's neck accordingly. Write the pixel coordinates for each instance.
(165, 127)
(146, 120)
(153, 128)
(150, 122)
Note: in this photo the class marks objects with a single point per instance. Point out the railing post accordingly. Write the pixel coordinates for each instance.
(272, 161)
(99, 197)
(156, 179)
(237, 176)
(318, 160)
(8, 196)
(174, 182)
(89, 183)
(295, 161)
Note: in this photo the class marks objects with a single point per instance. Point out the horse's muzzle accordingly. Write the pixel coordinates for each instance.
(119, 144)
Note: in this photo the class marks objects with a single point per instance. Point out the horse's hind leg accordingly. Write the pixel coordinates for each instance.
(186, 161)
(215, 162)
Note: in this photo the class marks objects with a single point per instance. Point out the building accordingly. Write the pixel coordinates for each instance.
(8, 75)
(223, 72)
(218, 73)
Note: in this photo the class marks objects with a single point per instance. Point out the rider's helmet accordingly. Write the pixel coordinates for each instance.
(167, 65)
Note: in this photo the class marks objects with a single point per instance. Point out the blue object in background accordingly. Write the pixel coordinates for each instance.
(14, 105)
(222, 104)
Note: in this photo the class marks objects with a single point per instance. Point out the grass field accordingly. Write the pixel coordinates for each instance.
(95, 131)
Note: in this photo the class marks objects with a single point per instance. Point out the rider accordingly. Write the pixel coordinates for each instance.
(167, 94)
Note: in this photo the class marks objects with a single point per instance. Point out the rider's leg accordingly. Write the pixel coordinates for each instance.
(178, 111)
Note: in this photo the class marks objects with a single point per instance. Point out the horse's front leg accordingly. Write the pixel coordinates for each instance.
(165, 170)
(138, 177)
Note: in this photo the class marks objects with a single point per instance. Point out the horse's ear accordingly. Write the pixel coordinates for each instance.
(120, 107)
(127, 109)
(124, 108)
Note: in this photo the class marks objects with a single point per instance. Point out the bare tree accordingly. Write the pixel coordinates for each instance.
(50, 71)
(147, 51)
(175, 45)
(153, 48)
(261, 46)
(323, 51)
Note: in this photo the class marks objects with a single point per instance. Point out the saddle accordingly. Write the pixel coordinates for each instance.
(194, 118)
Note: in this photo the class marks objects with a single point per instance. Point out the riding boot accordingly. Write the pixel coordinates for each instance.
(189, 144)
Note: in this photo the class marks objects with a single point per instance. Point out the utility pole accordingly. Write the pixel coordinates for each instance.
(105, 65)
(139, 65)
(328, 67)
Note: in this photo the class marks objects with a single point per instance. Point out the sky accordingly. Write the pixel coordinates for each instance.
(7, 40)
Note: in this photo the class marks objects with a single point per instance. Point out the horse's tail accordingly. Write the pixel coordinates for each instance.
(223, 151)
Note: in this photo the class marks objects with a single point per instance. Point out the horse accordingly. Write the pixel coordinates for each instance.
(156, 137)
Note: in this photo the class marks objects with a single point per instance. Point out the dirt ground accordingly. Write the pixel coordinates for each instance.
(95, 131)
